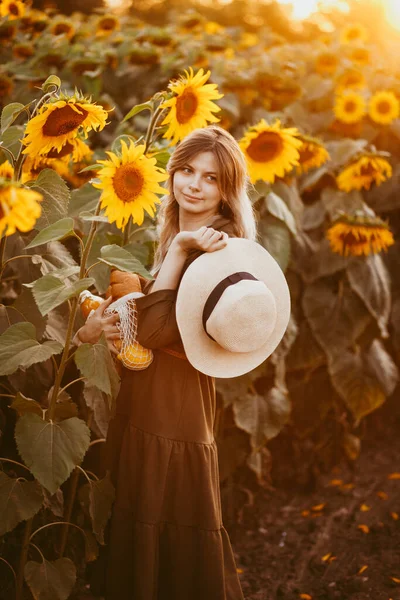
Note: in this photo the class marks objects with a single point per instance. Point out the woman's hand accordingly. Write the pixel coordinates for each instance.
(206, 239)
(97, 323)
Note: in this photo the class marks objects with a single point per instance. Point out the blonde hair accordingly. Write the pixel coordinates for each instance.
(233, 183)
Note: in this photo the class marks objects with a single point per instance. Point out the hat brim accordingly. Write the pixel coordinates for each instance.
(199, 280)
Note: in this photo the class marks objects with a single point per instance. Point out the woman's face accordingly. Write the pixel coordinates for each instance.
(195, 186)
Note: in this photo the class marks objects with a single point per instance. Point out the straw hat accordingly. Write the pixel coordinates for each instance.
(232, 308)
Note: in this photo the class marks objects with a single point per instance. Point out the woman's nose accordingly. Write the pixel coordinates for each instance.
(195, 183)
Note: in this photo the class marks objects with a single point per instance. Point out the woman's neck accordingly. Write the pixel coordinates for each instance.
(193, 224)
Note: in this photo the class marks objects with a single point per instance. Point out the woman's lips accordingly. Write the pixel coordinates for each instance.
(191, 197)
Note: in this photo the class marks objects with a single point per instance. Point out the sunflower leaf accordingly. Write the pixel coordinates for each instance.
(118, 257)
(137, 109)
(51, 450)
(95, 363)
(50, 579)
(275, 237)
(277, 207)
(57, 231)
(50, 292)
(91, 168)
(56, 196)
(10, 113)
(51, 81)
(19, 348)
(19, 500)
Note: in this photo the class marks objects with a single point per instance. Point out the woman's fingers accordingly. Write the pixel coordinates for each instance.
(102, 307)
(111, 319)
(114, 335)
(112, 348)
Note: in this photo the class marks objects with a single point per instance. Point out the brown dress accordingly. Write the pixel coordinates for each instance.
(167, 540)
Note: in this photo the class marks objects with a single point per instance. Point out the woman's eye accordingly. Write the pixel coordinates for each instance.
(212, 178)
(186, 170)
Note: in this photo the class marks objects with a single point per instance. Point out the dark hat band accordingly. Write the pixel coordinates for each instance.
(217, 292)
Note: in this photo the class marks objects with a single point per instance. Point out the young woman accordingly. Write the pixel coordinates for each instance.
(167, 540)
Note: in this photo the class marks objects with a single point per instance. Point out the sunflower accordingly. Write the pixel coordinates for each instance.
(191, 105)
(22, 51)
(363, 171)
(212, 27)
(75, 150)
(33, 166)
(130, 183)
(360, 56)
(312, 154)
(146, 55)
(6, 85)
(270, 151)
(62, 26)
(58, 122)
(6, 170)
(354, 33)
(7, 32)
(13, 9)
(358, 235)
(326, 63)
(350, 78)
(19, 208)
(107, 24)
(384, 107)
(349, 107)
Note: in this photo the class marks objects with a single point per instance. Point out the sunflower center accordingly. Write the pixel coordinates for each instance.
(350, 106)
(384, 107)
(186, 106)
(66, 149)
(63, 120)
(367, 170)
(107, 24)
(61, 28)
(307, 153)
(349, 239)
(128, 183)
(265, 147)
(13, 9)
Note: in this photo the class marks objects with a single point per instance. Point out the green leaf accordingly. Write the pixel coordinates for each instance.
(355, 383)
(50, 580)
(275, 237)
(97, 498)
(9, 114)
(370, 279)
(88, 216)
(51, 450)
(65, 409)
(11, 138)
(162, 158)
(91, 168)
(19, 500)
(136, 110)
(85, 198)
(95, 363)
(56, 196)
(25, 405)
(57, 231)
(50, 292)
(277, 207)
(50, 82)
(118, 257)
(262, 417)
(19, 348)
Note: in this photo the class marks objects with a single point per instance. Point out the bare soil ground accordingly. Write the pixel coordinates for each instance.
(342, 541)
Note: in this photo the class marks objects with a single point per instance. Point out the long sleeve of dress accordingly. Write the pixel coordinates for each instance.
(156, 318)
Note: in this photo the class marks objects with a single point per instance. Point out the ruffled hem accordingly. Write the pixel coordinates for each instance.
(167, 561)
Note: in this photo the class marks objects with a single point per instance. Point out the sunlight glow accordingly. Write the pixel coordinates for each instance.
(301, 9)
(392, 11)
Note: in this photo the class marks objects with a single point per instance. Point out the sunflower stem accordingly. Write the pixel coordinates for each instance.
(127, 232)
(22, 559)
(71, 320)
(152, 126)
(3, 242)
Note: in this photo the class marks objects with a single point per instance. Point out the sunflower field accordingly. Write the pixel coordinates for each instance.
(92, 105)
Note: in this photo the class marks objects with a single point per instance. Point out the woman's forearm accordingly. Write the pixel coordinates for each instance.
(171, 269)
